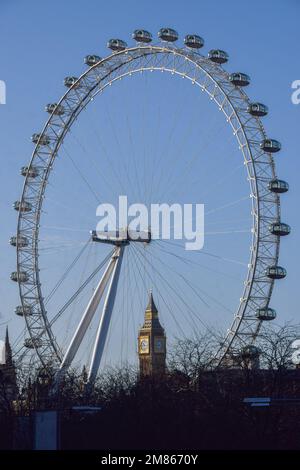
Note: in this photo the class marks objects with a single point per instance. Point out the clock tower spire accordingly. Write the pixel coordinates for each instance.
(152, 343)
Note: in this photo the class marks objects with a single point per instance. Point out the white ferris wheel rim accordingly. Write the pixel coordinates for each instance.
(249, 132)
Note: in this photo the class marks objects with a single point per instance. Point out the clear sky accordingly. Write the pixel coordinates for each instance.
(42, 42)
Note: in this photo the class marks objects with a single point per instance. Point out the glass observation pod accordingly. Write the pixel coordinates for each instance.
(141, 35)
(20, 276)
(54, 108)
(239, 79)
(266, 314)
(44, 376)
(70, 82)
(278, 186)
(116, 44)
(168, 34)
(31, 172)
(270, 145)
(21, 311)
(250, 351)
(91, 60)
(279, 228)
(41, 139)
(257, 109)
(19, 241)
(218, 56)
(276, 272)
(23, 206)
(193, 41)
(32, 343)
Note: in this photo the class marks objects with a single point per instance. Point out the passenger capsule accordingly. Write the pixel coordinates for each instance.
(280, 229)
(41, 139)
(54, 108)
(22, 206)
(168, 34)
(278, 186)
(21, 276)
(239, 79)
(19, 241)
(276, 272)
(30, 171)
(218, 56)
(141, 35)
(91, 60)
(250, 352)
(270, 145)
(266, 314)
(258, 109)
(116, 45)
(70, 82)
(44, 376)
(32, 343)
(193, 41)
(23, 311)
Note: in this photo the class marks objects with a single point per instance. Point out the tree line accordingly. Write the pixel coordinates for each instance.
(195, 405)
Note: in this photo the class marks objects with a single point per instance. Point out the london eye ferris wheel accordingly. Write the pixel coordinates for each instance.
(158, 122)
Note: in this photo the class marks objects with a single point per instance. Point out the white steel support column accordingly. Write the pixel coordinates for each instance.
(105, 318)
(87, 316)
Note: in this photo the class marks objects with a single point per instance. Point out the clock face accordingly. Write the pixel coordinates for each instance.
(144, 345)
(159, 345)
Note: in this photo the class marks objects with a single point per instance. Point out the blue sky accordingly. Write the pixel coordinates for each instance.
(42, 42)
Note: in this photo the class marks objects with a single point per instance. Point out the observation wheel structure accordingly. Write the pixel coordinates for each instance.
(226, 91)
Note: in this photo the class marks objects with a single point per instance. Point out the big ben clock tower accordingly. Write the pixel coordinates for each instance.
(152, 343)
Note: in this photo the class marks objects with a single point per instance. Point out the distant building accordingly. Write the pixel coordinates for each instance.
(249, 358)
(152, 344)
(8, 377)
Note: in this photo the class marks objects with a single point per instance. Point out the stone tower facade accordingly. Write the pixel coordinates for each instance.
(152, 344)
(8, 372)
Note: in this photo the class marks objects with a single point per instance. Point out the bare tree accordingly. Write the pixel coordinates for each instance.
(274, 343)
(192, 356)
(115, 381)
